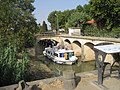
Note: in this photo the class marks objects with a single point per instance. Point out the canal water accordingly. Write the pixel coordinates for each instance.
(57, 69)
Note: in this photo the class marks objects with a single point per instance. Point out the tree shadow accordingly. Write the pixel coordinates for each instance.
(77, 79)
(40, 74)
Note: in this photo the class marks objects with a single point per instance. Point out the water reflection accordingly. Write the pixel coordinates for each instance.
(78, 67)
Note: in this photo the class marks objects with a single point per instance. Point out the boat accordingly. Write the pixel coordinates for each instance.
(60, 56)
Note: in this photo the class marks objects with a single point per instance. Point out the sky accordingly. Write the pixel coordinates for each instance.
(45, 7)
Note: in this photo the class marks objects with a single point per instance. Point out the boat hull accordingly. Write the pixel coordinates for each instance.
(59, 59)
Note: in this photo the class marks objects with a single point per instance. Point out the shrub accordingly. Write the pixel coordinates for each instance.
(12, 67)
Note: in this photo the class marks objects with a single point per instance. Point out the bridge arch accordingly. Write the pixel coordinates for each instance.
(67, 42)
(89, 53)
(54, 42)
(76, 45)
(48, 42)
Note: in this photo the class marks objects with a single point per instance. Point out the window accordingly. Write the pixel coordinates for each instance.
(70, 54)
(66, 56)
(56, 54)
(61, 54)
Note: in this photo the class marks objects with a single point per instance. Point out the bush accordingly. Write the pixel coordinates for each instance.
(91, 30)
(12, 67)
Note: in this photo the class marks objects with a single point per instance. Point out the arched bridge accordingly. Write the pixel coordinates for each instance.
(82, 45)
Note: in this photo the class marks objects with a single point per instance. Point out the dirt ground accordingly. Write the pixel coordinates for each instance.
(55, 85)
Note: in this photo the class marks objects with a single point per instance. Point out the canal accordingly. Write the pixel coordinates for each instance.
(58, 69)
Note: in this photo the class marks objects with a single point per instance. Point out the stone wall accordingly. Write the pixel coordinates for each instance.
(65, 82)
(43, 84)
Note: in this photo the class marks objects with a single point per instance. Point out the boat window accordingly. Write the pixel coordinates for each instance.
(55, 54)
(66, 56)
(48, 51)
(61, 54)
(70, 54)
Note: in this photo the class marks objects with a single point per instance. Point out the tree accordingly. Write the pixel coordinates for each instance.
(69, 18)
(61, 16)
(52, 19)
(12, 68)
(17, 29)
(16, 20)
(106, 13)
(86, 9)
(77, 19)
(44, 27)
(66, 14)
(79, 8)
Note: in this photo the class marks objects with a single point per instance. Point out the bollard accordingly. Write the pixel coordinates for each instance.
(22, 85)
(69, 80)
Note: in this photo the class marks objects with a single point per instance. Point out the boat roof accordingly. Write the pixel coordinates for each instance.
(59, 50)
(48, 49)
(63, 51)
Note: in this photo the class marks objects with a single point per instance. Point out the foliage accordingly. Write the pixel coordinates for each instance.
(17, 29)
(79, 8)
(106, 13)
(67, 15)
(69, 18)
(77, 19)
(86, 9)
(16, 18)
(62, 18)
(12, 68)
(52, 19)
(91, 30)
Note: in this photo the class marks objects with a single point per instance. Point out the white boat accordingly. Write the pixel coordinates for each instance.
(60, 56)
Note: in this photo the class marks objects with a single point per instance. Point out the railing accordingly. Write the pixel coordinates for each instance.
(46, 34)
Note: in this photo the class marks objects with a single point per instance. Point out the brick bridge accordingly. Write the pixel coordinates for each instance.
(82, 45)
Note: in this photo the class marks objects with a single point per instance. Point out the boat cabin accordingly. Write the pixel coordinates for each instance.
(49, 51)
(64, 54)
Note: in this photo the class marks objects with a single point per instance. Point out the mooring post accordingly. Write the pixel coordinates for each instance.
(69, 80)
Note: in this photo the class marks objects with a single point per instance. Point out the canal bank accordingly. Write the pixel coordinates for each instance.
(85, 81)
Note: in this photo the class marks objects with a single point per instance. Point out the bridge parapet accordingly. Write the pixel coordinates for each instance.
(116, 40)
(45, 35)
